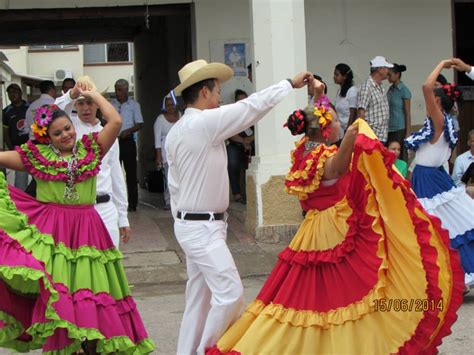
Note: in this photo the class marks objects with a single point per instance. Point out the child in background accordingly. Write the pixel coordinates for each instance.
(394, 146)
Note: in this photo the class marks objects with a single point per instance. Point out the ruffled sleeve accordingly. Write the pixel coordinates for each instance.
(41, 162)
(426, 133)
(307, 170)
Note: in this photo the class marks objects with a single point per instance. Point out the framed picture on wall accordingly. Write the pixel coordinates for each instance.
(235, 57)
(220, 50)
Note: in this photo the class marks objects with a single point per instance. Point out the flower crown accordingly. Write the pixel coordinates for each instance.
(322, 111)
(452, 91)
(43, 118)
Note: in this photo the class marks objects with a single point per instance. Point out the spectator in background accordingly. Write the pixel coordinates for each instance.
(47, 97)
(395, 147)
(15, 130)
(249, 73)
(239, 147)
(399, 101)
(162, 126)
(67, 85)
(372, 101)
(462, 163)
(132, 122)
(346, 97)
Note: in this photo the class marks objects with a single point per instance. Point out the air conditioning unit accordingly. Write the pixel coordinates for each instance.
(61, 74)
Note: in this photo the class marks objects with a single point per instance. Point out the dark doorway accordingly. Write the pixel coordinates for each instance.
(162, 37)
(464, 49)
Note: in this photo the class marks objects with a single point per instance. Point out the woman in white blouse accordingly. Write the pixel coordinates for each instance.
(162, 126)
(346, 97)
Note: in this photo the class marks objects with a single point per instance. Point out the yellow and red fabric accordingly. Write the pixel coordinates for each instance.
(373, 246)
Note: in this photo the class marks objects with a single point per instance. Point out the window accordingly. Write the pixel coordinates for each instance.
(108, 53)
(52, 47)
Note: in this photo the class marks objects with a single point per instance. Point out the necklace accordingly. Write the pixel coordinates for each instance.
(310, 145)
(70, 191)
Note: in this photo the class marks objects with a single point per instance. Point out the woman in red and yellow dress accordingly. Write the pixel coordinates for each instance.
(368, 272)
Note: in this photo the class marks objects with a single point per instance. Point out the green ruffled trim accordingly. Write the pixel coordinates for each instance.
(41, 331)
(101, 266)
(12, 330)
(49, 155)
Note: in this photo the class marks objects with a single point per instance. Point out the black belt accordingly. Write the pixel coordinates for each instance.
(102, 198)
(200, 216)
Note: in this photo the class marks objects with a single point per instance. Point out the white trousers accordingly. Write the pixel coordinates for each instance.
(108, 213)
(166, 191)
(214, 291)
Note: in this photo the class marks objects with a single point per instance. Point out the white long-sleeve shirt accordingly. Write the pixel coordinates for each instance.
(66, 103)
(461, 164)
(196, 153)
(110, 179)
(471, 74)
(161, 129)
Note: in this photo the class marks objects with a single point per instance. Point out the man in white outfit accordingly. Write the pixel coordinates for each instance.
(199, 189)
(111, 200)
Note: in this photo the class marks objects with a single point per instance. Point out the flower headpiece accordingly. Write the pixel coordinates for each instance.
(43, 118)
(452, 91)
(296, 122)
(322, 111)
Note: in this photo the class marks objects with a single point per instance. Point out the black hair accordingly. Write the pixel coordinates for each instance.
(59, 113)
(14, 86)
(398, 68)
(448, 100)
(317, 77)
(191, 94)
(239, 92)
(56, 113)
(394, 141)
(46, 85)
(69, 80)
(345, 70)
(441, 79)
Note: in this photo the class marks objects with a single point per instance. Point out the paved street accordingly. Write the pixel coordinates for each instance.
(162, 307)
(154, 255)
(156, 271)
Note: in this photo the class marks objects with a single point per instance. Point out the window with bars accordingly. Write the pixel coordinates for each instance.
(108, 53)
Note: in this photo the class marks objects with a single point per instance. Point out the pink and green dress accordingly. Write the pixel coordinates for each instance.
(61, 279)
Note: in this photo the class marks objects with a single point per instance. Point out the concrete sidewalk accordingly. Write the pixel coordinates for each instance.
(154, 256)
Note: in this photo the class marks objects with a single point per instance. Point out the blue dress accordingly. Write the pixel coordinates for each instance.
(437, 192)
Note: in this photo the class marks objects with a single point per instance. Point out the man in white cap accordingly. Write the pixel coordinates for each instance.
(111, 200)
(199, 189)
(372, 100)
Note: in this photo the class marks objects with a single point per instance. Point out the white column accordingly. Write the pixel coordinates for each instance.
(279, 48)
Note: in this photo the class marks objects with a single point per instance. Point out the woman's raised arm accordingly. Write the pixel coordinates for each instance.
(109, 133)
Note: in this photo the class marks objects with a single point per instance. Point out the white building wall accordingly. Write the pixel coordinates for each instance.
(105, 76)
(45, 63)
(218, 22)
(417, 33)
(17, 59)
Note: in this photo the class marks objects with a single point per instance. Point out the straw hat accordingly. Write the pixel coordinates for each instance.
(87, 80)
(199, 70)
